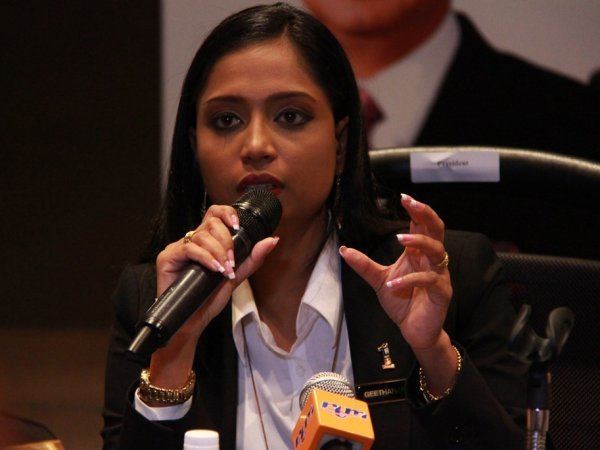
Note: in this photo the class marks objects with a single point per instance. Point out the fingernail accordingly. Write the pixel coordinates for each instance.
(394, 282)
(343, 249)
(231, 258)
(415, 204)
(274, 240)
(229, 270)
(235, 222)
(218, 266)
(405, 238)
(405, 197)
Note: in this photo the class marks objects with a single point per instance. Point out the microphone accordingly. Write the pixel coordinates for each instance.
(331, 418)
(259, 212)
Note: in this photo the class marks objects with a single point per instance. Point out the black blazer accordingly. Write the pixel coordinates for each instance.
(493, 98)
(480, 412)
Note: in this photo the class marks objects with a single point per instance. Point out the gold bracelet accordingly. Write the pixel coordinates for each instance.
(153, 394)
(423, 383)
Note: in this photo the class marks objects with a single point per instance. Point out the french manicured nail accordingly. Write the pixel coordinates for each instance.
(415, 204)
(231, 258)
(218, 266)
(405, 197)
(235, 222)
(405, 238)
(394, 282)
(343, 249)
(274, 240)
(229, 270)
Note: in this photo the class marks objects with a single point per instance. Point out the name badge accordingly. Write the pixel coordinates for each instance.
(382, 391)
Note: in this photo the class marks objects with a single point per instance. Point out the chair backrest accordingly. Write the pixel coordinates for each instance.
(544, 203)
(19, 433)
(547, 282)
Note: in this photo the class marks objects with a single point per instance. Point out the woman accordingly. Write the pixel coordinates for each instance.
(270, 100)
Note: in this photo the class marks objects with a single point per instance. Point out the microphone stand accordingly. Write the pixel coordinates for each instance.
(540, 353)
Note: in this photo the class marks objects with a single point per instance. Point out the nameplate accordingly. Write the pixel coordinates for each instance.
(455, 167)
(382, 391)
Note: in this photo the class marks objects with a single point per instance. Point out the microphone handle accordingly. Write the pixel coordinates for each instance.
(180, 300)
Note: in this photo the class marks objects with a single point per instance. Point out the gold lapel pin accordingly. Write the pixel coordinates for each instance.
(384, 349)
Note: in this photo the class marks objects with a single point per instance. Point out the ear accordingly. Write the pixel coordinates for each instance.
(192, 138)
(341, 135)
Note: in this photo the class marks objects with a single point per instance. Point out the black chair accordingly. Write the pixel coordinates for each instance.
(547, 282)
(544, 203)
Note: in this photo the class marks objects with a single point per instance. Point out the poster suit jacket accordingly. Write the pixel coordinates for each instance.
(496, 99)
(479, 319)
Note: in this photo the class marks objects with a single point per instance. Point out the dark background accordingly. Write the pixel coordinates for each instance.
(79, 185)
(80, 154)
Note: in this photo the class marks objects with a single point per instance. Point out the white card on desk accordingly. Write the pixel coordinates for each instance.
(455, 167)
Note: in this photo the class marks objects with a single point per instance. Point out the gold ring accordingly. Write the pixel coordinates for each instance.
(444, 263)
(188, 236)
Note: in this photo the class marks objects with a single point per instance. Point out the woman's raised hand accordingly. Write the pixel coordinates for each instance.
(416, 290)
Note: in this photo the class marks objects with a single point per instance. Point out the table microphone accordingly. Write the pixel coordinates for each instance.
(331, 418)
(259, 212)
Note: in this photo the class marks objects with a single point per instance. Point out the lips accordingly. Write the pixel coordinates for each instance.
(260, 181)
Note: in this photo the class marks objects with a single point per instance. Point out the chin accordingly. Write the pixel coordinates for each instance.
(360, 16)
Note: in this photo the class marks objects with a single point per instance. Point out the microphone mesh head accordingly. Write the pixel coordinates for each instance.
(259, 212)
(328, 382)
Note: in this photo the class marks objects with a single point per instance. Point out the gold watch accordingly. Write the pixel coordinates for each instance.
(153, 394)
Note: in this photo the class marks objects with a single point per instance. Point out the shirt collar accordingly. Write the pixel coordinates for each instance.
(323, 296)
(405, 90)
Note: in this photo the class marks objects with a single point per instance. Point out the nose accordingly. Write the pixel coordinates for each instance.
(258, 146)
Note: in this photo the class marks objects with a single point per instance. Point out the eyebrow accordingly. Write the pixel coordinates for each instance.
(273, 97)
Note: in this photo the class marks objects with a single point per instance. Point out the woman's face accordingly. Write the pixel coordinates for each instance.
(263, 120)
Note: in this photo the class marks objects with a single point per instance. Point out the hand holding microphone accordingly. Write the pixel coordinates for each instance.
(331, 418)
(191, 284)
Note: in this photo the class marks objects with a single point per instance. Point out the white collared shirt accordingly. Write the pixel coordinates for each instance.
(406, 90)
(280, 375)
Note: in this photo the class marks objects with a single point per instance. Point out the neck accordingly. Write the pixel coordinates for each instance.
(278, 286)
(371, 52)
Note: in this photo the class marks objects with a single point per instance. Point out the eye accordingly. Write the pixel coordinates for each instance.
(292, 117)
(226, 121)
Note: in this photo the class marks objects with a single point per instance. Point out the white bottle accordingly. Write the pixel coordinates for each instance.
(201, 440)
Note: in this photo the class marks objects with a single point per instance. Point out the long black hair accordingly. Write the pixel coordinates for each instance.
(356, 210)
